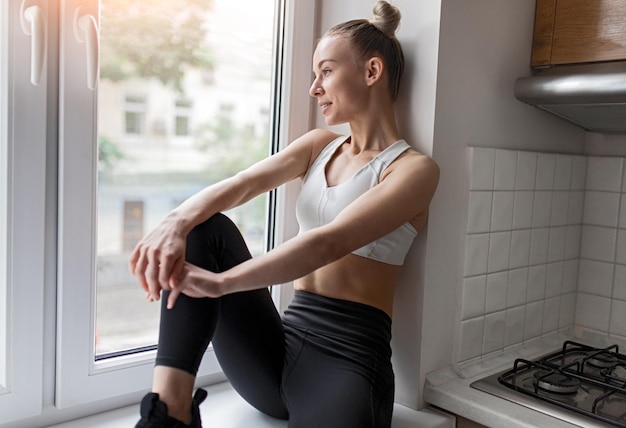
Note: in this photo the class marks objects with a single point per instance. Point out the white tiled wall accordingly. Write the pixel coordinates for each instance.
(545, 248)
(522, 250)
(601, 299)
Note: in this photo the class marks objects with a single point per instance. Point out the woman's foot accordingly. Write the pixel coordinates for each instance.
(154, 412)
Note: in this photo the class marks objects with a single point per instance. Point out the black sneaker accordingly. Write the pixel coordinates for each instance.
(154, 412)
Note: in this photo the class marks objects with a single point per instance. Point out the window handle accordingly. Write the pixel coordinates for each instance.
(86, 31)
(34, 25)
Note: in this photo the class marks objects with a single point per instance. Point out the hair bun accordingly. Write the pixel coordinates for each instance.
(386, 18)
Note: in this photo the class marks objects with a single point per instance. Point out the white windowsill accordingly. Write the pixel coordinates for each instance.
(224, 408)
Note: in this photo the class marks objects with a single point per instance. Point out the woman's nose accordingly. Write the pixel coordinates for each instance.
(315, 89)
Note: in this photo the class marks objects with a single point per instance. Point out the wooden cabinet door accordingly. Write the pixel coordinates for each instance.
(576, 31)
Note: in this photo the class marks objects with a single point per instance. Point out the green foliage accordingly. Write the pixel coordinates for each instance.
(153, 39)
(108, 153)
(232, 148)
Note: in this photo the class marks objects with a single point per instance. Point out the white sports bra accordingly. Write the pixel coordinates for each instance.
(318, 204)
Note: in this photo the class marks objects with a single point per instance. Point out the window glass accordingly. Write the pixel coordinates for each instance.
(183, 101)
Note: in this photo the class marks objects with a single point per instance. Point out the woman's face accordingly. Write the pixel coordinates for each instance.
(339, 84)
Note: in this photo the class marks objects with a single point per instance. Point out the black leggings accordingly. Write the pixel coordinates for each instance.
(327, 363)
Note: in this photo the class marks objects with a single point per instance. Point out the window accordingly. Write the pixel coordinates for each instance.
(182, 118)
(134, 114)
(78, 187)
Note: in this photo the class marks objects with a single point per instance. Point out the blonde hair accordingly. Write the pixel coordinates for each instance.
(377, 37)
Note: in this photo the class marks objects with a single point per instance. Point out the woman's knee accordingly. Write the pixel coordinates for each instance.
(216, 244)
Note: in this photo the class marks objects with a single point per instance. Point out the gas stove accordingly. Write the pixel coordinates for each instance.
(580, 384)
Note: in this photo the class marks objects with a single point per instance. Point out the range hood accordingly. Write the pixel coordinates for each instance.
(592, 96)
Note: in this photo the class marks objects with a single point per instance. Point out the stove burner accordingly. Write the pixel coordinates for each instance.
(558, 383)
(572, 384)
(603, 361)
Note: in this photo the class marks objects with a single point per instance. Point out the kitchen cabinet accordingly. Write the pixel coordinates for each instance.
(578, 31)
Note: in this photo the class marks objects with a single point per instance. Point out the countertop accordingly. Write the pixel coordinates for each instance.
(449, 388)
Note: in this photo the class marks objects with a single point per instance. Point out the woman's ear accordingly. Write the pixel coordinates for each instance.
(374, 68)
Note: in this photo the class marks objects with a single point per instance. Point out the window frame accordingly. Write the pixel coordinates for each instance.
(24, 156)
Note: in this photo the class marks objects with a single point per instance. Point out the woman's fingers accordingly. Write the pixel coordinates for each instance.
(174, 293)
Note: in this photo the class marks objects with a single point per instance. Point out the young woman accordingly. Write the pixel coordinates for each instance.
(364, 197)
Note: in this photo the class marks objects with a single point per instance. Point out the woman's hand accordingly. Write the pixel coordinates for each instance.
(159, 258)
(195, 282)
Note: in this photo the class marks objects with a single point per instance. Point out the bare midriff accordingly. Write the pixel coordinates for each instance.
(356, 279)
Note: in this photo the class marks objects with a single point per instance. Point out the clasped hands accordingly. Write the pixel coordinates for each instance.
(158, 263)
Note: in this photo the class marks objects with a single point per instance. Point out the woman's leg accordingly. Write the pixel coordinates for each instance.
(188, 328)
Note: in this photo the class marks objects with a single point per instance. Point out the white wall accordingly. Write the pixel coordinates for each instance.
(462, 60)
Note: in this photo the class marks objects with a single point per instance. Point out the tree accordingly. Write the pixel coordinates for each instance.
(232, 147)
(153, 39)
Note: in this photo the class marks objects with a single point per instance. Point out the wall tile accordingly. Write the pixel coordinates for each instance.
(563, 172)
(517, 287)
(556, 244)
(554, 279)
(536, 283)
(598, 243)
(533, 320)
(502, 213)
(559, 208)
(601, 209)
(526, 170)
(499, 250)
(622, 212)
(482, 167)
(523, 209)
(514, 327)
(579, 172)
(575, 207)
(474, 290)
(593, 311)
(604, 174)
(620, 251)
(471, 338)
(619, 284)
(494, 332)
(520, 248)
(541, 209)
(551, 315)
(476, 254)
(539, 242)
(504, 178)
(479, 212)
(546, 164)
(570, 276)
(497, 286)
(595, 277)
(572, 242)
(618, 318)
(567, 310)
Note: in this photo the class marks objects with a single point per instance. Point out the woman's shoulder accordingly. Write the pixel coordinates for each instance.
(320, 137)
(315, 141)
(416, 164)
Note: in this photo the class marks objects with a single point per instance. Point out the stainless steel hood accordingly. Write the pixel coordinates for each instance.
(592, 96)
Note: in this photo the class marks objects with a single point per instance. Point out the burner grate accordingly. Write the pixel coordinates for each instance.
(580, 378)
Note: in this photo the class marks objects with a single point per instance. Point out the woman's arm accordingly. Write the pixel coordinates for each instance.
(160, 255)
(402, 196)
